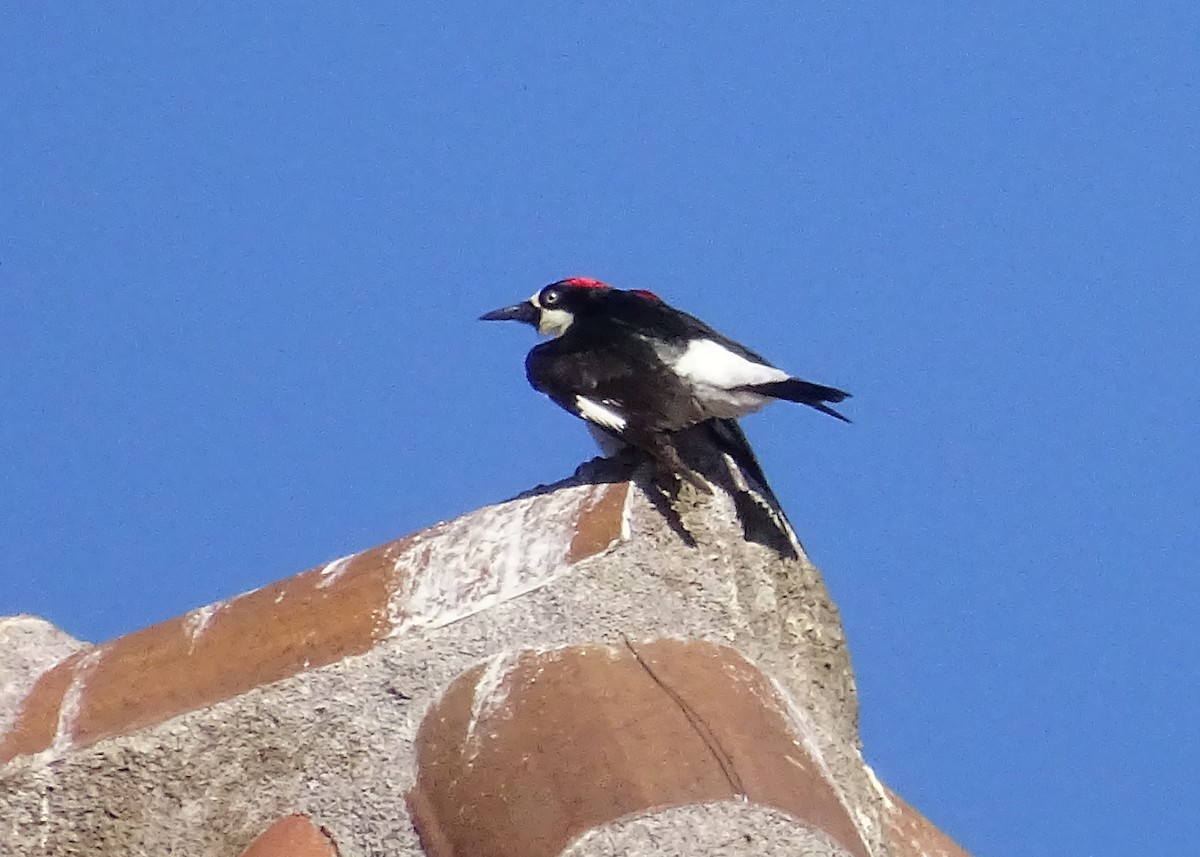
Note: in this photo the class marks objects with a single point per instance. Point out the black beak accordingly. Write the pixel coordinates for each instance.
(525, 312)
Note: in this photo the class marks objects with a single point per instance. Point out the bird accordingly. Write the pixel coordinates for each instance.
(638, 370)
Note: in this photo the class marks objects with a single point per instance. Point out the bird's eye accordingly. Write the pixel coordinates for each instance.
(549, 297)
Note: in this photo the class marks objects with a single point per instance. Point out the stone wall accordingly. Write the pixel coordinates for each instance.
(589, 669)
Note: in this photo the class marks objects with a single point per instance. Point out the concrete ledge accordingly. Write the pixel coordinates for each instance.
(475, 680)
(316, 618)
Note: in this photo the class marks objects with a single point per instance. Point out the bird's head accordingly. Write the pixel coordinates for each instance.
(553, 310)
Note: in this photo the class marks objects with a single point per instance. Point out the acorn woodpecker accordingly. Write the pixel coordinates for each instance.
(637, 370)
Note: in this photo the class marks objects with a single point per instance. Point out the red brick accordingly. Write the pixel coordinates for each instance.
(599, 523)
(35, 727)
(176, 666)
(911, 834)
(292, 836)
(523, 754)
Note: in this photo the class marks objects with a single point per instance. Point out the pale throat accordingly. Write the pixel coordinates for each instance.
(552, 322)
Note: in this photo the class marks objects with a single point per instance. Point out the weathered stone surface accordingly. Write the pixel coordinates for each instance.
(309, 695)
(29, 646)
(723, 829)
(206, 656)
(310, 620)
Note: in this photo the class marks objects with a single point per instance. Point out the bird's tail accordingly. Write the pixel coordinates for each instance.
(804, 392)
(758, 507)
(732, 441)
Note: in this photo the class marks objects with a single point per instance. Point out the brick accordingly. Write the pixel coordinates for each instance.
(314, 618)
(292, 836)
(525, 753)
(911, 834)
(195, 660)
(600, 522)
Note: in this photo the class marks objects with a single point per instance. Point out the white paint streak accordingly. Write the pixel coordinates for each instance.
(488, 557)
(627, 517)
(198, 620)
(809, 734)
(44, 809)
(333, 570)
(68, 712)
(491, 690)
(878, 786)
(600, 413)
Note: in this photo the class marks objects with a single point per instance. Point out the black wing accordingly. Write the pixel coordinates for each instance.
(634, 312)
(599, 377)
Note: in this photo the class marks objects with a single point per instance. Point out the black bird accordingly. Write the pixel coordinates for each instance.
(637, 370)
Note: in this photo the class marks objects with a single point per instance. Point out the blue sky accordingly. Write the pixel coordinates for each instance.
(242, 251)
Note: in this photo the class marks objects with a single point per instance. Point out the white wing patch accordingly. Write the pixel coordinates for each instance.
(600, 413)
(706, 363)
